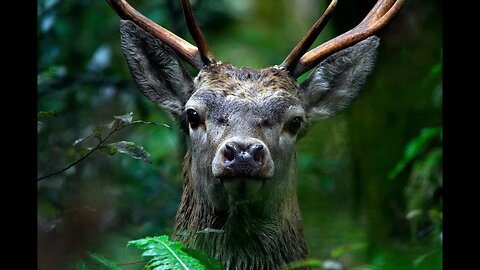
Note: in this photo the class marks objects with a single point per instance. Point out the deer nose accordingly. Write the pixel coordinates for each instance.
(243, 160)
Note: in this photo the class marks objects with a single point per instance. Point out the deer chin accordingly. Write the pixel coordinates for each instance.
(242, 188)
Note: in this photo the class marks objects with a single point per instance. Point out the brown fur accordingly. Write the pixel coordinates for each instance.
(244, 106)
(246, 82)
(250, 243)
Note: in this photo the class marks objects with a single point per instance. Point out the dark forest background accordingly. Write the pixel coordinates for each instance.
(370, 178)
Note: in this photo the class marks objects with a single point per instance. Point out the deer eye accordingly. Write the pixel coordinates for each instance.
(193, 118)
(294, 125)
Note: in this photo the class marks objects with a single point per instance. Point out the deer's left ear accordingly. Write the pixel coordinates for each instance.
(336, 81)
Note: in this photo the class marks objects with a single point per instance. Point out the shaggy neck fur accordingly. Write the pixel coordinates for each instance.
(246, 236)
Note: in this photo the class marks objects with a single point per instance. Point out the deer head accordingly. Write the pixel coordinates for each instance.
(239, 200)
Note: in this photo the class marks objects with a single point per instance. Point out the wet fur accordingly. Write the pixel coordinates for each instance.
(244, 236)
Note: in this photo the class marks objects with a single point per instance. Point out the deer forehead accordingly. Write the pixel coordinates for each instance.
(245, 83)
(252, 97)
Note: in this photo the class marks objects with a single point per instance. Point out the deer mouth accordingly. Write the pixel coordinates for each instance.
(242, 187)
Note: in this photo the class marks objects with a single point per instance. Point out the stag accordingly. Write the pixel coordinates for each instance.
(239, 201)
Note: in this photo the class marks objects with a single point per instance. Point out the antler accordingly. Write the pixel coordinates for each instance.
(380, 15)
(197, 57)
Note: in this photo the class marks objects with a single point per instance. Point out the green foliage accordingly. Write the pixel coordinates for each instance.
(166, 254)
(339, 251)
(47, 114)
(330, 263)
(125, 147)
(102, 134)
(424, 154)
(129, 148)
(415, 148)
(82, 77)
(95, 261)
(104, 262)
(302, 264)
(423, 157)
(204, 259)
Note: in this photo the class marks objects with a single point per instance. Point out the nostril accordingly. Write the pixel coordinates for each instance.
(229, 152)
(257, 147)
(257, 153)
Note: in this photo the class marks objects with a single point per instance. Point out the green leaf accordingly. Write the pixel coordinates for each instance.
(97, 132)
(339, 251)
(109, 149)
(303, 264)
(50, 74)
(413, 214)
(78, 141)
(414, 148)
(131, 149)
(149, 123)
(436, 70)
(434, 213)
(47, 114)
(420, 260)
(106, 263)
(166, 254)
(204, 259)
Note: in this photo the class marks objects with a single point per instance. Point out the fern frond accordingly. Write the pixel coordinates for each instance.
(167, 255)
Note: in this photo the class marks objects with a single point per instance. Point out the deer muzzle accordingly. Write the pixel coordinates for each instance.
(243, 165)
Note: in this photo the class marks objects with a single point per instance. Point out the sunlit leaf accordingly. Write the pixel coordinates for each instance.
(166, 254)
(413, 214)
(78, 141)
(126, 118)
(133, 150)
(204, 259)
(111, 124)
(149, 123)
(421, 259)
(303, 264)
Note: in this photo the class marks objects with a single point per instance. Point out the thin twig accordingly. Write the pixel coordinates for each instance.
(101, 141)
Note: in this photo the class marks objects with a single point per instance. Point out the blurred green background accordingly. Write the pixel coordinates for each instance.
(370, 178)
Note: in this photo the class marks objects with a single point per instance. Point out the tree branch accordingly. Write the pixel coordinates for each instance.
(100, 143)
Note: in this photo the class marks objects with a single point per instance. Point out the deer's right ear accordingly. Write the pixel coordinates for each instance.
(155, 68)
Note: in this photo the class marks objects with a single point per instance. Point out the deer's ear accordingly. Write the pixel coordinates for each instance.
(336, 81)
(155, 68)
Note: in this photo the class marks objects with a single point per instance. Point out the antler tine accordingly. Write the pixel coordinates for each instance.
(186, 51)
(377, 11)
(307, 41)
(380, 15)
(196, 33)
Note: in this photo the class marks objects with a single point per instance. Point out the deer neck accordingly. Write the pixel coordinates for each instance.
(244, 236)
